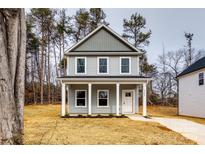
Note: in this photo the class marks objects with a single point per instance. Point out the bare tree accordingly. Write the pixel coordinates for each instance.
(174, 61)
(12, 74)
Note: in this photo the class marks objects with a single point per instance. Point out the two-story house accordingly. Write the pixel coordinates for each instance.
(103, 76)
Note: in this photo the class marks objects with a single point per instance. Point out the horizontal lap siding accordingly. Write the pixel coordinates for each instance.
(114, 65)
(95, 109)
(72, 108)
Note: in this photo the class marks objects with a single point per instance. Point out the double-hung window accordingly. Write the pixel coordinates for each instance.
(80, 98)
(201, 78)
(125, 65)
(80, 65)
(103, 98)
(103, 65)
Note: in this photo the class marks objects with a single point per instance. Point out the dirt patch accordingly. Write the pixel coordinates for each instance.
(164, 128)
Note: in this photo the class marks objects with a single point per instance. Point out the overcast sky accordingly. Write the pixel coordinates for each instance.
(167, 26)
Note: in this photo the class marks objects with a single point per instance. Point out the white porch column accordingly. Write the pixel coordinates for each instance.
(68, 97)
(137, 99)
(144, 99)
(89, 98)
(63, 110)
(117, 98)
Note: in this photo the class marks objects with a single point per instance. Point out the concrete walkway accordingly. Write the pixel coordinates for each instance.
(187, 128)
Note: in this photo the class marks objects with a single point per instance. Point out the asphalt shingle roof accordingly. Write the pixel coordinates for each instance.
(199, 64)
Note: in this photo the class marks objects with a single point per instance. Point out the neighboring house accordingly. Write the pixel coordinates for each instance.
(192, 90)
(103, 76)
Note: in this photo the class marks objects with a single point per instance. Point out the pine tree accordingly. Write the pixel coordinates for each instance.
(42, 17)
(97, 17)
(134, 32)
(81, 24)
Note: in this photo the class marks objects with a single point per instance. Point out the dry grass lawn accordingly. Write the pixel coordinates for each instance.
(171, 112)
(43, 125)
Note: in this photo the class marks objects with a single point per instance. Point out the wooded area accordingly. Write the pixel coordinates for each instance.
(49, 33)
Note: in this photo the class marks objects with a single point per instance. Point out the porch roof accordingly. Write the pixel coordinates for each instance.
(124, 78)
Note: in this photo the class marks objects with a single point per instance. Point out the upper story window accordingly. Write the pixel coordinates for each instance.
(201, 78)
(125, 65)
(80, 65)
(103, 65)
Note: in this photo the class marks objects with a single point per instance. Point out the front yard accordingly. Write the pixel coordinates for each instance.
(43, 125)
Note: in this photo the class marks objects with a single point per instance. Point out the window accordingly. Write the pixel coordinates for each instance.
(80, 98)
(80, 64)
(125, 65)
(128, 94)
(103, 65)
(103, 98)
(201, 78)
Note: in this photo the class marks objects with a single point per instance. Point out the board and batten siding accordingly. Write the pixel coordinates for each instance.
(114, 66)
(97, 110)
(102, 41)
(191, 95)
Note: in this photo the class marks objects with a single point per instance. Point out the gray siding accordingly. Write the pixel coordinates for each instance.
(114, 65)
(102, 41)
(95, 109)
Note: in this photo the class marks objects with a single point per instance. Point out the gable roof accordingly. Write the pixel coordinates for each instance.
(111, 32)
(199, 64)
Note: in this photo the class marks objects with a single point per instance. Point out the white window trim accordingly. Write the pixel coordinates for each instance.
(129, 65)
(98, 65)
(85, 99)
(98, 98)
(76, 58)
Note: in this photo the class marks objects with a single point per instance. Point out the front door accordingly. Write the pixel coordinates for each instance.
(127, 101)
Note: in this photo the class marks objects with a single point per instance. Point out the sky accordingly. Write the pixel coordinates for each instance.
(167, 25)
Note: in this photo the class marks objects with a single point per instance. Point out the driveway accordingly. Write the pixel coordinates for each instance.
(188, 129)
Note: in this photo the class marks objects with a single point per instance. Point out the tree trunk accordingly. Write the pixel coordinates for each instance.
(49, 73)
(12, 73)
(33, 79)
(55, 57)
(42, 63)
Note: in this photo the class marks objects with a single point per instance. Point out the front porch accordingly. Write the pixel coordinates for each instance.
(121, 98)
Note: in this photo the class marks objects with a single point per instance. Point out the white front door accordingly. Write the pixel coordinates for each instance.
(127, 101)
